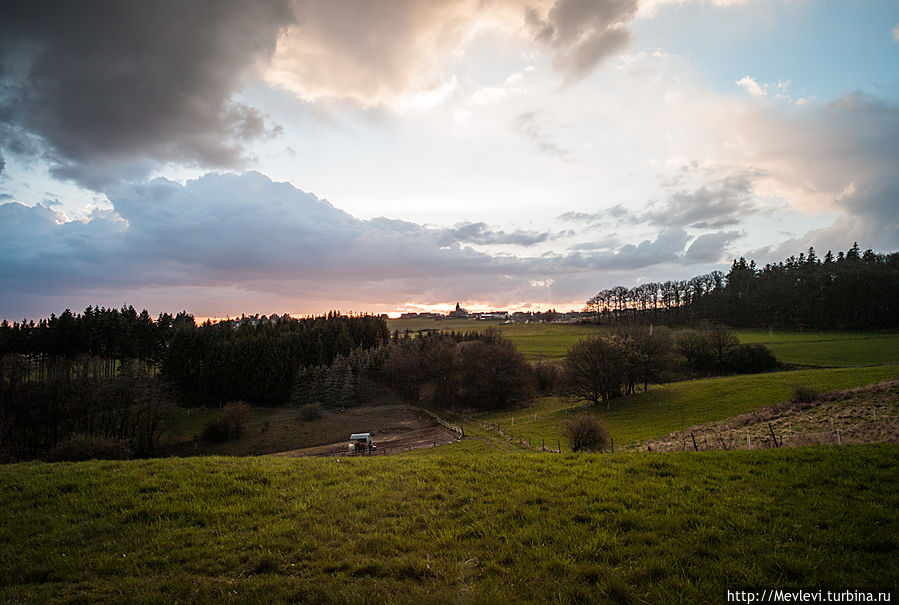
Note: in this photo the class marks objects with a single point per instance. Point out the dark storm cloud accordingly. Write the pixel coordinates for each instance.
(106, 89)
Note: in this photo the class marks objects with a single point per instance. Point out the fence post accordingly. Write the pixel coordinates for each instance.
(838, 438)
(695, 449)
(773, 436)
(612, 441)
(748, 443)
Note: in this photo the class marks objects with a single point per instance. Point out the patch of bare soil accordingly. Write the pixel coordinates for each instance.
(863, 415)
(394, 429)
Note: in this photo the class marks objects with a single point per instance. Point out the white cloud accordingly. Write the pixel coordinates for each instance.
(896, 33)
(753, 87)
(488, 94)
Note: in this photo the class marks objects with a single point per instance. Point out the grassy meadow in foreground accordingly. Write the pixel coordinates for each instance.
(463, 523)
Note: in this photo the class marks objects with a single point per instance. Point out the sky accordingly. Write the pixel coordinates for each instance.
(301, 156)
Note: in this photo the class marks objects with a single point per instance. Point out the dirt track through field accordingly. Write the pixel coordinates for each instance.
(395, 429)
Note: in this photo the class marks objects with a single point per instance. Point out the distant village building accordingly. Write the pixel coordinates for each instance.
(421, 316)
(502, 315)
(459, 313)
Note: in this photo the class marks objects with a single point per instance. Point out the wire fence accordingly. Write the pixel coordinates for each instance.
(881, 426)
(524, 440)
(769, 436)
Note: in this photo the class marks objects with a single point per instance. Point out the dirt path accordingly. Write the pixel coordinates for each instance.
(394, 430)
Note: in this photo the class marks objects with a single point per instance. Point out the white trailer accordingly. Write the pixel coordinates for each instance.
(360, 443)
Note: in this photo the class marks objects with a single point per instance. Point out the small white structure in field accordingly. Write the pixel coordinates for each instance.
(360, 443)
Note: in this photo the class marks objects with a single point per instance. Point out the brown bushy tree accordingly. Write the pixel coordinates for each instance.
(586, 433)
(491, 374)
(596, 370)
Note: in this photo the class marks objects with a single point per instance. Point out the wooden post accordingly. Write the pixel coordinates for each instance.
(612, 442)
(838, 438)
(748, 442)
(773, 436)
(695, 449)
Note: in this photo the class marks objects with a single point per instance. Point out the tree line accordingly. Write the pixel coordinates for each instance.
(114, 374)
(478, 370)
(853, 291)
(603, 368)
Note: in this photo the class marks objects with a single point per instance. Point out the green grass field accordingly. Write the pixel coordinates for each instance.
(552, 341)
(464, 523)
(666, 408)
(836, 349)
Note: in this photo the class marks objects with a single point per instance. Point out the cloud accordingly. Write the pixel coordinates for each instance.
(531, 124)
(480, 233)
(582, 217)
(722, 202)
(752, 87)
(896, 33)
(710, 247)
(839, 158)
(778, 90)
(374, 53)
(106, 90)
(251, 241)
(719, 202)
(384, 53)
(582, 33)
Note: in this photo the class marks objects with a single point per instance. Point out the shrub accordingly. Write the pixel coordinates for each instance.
(312, 411)
(218, 430)
(750, 359)
(805, 394)
(550, 377)
(236, 413)
(707, 349)
(79, 447)
(586, 433)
